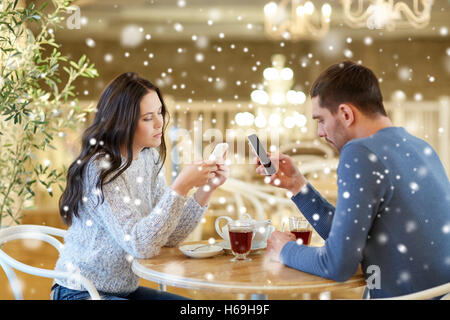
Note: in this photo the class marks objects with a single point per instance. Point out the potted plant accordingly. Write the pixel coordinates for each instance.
(37, 101)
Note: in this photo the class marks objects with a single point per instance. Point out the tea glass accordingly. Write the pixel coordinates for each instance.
(301, 228)
(241, 234)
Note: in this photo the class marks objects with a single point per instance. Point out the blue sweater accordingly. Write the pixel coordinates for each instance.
(392, 215)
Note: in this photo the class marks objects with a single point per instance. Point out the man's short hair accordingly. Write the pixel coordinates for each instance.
(348, 82)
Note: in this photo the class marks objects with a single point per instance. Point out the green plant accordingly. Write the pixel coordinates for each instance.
(37, 100)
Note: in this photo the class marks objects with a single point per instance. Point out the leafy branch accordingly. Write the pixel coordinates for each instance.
(35, 102)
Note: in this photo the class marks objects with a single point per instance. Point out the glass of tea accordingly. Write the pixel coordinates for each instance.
(301, 228)
(241, 235)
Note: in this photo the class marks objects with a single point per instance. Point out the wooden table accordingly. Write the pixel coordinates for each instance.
(258, 277)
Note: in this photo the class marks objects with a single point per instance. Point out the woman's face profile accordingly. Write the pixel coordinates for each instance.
(150, 124)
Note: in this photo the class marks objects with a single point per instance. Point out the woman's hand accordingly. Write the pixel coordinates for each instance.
(194, 175)
(221, 175)
(202, 195)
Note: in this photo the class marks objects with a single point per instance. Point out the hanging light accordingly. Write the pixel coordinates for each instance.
(296, 19)
(260, 120)
(388, 14)
(244, 119)
(260, 97)
(276, 92)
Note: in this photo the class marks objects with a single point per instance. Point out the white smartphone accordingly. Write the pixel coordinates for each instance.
(219, 151)
(261, 153)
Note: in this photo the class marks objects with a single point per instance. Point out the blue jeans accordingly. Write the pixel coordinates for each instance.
(142, 293)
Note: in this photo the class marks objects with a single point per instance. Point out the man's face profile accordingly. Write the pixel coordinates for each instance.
(328, 125)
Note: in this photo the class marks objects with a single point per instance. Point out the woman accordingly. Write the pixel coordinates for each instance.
(117, 202)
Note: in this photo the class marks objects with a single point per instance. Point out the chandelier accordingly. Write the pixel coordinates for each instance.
(387, 14)
(296, 19)
(275, 100)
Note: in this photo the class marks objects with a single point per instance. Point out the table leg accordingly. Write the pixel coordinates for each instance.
(366, 293)
(162, 287)
(257, 296)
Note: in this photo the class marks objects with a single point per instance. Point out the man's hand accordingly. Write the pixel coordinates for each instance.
(276, 242)
(287, 176)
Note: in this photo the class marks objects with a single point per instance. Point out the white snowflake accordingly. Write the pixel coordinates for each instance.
(174, 268)
(304, 190)
(405, 276)
(428, 151)
(447, 261)
(422, 172)
(372, 157)
(446, 228)
(411, 226)
(414, 186)
(104, 164)
(382, 238)
(178, 27)
(90, 42)
(209, 276)
(131, 36)
(402, 248)
(230, 208)
(199, 57)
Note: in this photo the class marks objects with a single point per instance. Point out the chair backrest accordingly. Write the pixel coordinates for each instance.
(443, 289)
(42, 233)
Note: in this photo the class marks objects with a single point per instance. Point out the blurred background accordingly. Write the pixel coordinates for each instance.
(234, 67)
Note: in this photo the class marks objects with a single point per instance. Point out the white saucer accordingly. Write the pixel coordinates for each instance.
(204, 252)
(255, 246)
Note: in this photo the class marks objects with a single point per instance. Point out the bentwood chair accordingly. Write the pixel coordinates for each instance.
(42, 233)
(442, 290)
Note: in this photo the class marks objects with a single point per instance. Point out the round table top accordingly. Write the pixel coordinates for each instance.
(259, 276)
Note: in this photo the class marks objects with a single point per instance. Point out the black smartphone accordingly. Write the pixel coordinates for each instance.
(261, 153)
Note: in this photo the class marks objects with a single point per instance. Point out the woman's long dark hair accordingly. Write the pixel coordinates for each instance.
(115, 123)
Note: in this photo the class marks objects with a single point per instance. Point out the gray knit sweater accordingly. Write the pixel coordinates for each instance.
(140, 215)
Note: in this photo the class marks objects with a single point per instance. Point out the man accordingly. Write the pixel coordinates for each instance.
(393, 208)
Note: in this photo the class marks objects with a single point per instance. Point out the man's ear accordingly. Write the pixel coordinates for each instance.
(347, 114)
